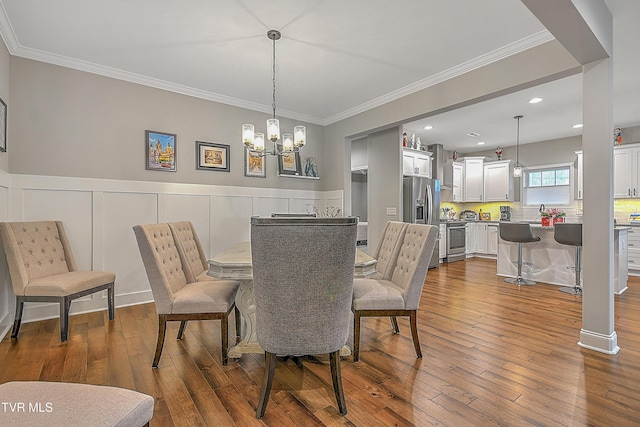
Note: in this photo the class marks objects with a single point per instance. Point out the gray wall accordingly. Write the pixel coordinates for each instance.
(71, 123)
(384, 189)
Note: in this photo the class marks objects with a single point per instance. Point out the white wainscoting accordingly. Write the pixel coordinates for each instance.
(6, 293)
(99, 215)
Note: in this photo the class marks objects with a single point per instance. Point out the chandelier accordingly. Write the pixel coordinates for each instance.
(517, 170)
(291, 142)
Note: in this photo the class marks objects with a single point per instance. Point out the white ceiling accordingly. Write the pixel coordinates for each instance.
(336, 58)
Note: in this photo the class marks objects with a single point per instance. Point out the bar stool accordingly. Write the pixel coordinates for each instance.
(571, 234)
(518, 232)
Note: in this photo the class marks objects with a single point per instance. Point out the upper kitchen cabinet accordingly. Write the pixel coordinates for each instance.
(625, 172)
(498, 181)
(473, 179)
(416, 163)
(457, 182)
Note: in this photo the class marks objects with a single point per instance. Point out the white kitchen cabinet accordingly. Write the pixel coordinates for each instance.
(633, 245)
(492, 239)
(626, 177)
(579, 180)
(470, 238)
(498, 181)
(623, 172)
(416, 163)
(457, 191)
(481, 238)
(473, 179)
(443, 241)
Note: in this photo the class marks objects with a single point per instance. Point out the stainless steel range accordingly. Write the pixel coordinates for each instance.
(456, 241)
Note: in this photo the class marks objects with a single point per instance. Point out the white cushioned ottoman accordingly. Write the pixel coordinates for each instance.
(40, 403)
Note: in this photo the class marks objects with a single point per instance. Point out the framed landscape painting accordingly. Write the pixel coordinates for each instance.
(254, 164)
(212, 156)
(161, 151)
(289, 164)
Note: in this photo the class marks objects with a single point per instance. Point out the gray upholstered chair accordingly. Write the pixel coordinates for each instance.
(400, 295)
(43, 269)
(303, 281)
(571, 234)
(72, 404)
(520, 233)
(176, 298)
(386, 255)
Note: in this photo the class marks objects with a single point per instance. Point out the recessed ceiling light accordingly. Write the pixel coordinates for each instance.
(535, 100)
(481, 143)
(473, 134)
(428, 127)
(577, 126)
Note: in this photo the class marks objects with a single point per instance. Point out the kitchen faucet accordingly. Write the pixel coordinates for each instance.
(541, 208)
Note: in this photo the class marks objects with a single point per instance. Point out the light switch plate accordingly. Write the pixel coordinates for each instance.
(392, 211)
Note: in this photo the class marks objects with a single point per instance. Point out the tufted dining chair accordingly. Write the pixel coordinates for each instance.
(190, 250)
(177, 298)
(399, 295)
(43, 269)
(303, 281)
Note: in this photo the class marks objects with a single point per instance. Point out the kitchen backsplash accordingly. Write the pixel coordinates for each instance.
(621, 210)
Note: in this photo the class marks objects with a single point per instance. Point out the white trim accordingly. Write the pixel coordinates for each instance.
(607, 344)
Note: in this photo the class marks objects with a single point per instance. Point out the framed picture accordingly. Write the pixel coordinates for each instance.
(3, 126)
(161, 151)
(289, 164)
(212, 157)
(310, 167)
(254, 164)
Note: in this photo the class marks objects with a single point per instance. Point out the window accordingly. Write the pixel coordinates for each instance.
(550, 185)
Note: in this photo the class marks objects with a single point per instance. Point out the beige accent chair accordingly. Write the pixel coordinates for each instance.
(71, 404)
(303, 282)
(176, 297)
(386, 255)
(193, 259)
(400, 295)
(43, 269)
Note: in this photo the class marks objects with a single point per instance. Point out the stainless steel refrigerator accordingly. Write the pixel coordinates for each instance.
(421, 205)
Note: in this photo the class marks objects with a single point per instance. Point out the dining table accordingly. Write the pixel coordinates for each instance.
(235, 264)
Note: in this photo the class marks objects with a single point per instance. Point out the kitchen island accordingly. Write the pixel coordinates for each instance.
(551, 260)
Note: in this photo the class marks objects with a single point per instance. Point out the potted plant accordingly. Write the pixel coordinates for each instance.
(546, 218)
(558, 215)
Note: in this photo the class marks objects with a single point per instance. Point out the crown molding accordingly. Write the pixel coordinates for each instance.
(494, 56)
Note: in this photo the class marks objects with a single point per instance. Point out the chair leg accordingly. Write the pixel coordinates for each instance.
(111, 301)
(336, 376)
(238, 324)
(267, 381)
(224, 335)
(18, 317)
(414, 332)
(65, 305)
(162, 328)
(394, 325)
(183, 326)
(356, 336)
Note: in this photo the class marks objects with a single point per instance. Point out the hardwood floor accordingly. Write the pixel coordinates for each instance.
(493, 355)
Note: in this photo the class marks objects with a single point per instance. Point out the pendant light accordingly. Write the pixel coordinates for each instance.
(291, 142)
(517, 170)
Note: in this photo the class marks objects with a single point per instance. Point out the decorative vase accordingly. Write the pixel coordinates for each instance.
(558, 219)
(546, 221)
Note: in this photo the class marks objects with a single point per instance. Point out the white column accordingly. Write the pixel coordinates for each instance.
(598, 331)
